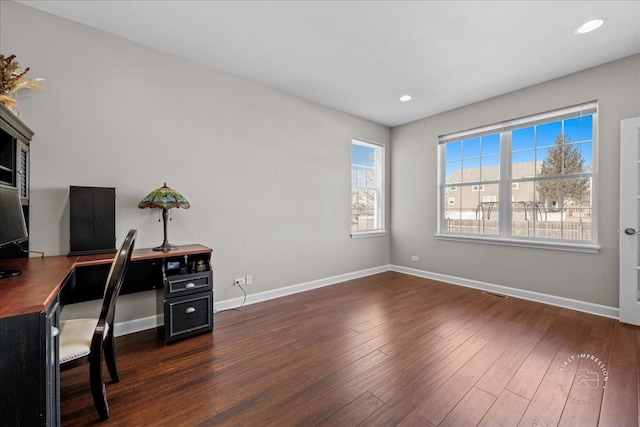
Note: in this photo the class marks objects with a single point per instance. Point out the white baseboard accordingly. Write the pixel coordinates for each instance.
(294, 289)
(587, 307)
(150, 322)
(137, 325)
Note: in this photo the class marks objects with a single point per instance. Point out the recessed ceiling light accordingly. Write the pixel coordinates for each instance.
(589, 26)
(405, 98)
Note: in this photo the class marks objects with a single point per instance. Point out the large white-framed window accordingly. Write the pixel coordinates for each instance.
(367, 188)
(526, 182)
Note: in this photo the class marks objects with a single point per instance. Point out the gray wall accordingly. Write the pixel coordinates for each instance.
(267, 174)
(587, 277)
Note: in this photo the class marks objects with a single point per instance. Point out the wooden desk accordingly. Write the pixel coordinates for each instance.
(29, 318)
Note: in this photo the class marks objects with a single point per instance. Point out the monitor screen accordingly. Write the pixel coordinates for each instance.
(13, 228)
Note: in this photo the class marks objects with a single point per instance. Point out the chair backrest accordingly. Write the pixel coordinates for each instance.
(113, 285)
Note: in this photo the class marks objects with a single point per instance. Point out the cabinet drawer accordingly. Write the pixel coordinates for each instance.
(188, 315)
(190, 283)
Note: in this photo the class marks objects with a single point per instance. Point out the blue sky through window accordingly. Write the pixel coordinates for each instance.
(528, 144)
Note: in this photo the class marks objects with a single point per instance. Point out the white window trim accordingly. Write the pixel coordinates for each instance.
(381, 231)
(504, 238)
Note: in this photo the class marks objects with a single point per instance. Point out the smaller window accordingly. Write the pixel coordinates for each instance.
(515, 185)
(367, 188)
(452, 200)
(477, 187)
(453, 188)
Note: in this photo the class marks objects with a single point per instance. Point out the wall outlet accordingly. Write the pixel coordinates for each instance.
(249, 279)
(415, 258)
(239, 281)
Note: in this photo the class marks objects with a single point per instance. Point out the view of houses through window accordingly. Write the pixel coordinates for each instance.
(532, 179)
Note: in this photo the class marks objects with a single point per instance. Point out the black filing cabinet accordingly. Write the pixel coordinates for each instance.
(188, 296)
(92, 220)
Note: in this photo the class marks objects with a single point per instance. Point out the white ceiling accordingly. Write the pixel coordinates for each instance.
(361, 56)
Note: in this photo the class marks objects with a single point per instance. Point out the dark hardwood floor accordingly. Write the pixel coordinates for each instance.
(384, 350)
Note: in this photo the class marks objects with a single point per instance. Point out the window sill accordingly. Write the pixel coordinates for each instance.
(363, 234)
(556, 246)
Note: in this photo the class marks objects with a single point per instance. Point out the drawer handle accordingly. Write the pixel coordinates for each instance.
(190, 285)
(54, 332)
(190, 310)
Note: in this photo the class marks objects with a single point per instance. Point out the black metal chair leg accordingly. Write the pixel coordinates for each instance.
(97, 385)
(110, 358)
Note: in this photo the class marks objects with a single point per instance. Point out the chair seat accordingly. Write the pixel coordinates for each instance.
(75, 338)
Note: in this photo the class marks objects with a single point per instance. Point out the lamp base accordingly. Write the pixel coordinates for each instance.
(166, 247)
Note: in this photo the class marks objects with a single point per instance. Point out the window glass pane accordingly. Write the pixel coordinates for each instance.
(577, 209)
(453, 172)
(573, 162)
(473, 209)
(541, 154)
(563, 158)
(371, 177)
(453, 151)
(546, 134)
(471, 170)
(523, 165)
(487, 210)
(358, 154)
(363, 209)
(523, 153)
(523, 191)
(579, 128)
(491, 145)
(370, 157)
(490, 168)
(549, 202)
(523, 139)
(471, 148)
(361, 174)
(586, 151)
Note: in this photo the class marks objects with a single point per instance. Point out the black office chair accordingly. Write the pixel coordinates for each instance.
(85, 340)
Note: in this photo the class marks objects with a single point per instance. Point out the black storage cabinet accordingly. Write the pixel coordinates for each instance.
(92, 220)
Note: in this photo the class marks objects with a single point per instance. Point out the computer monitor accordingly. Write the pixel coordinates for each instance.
(13, 228)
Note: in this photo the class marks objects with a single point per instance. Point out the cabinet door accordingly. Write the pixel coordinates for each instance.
(104, 224)
(81, 211)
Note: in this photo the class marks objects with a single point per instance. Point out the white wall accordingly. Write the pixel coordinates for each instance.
(267, 174)
(585, 277)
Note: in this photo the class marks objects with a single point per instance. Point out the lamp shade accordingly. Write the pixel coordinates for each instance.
(164, 198)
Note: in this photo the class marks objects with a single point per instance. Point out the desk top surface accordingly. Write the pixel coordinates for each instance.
(42, 278)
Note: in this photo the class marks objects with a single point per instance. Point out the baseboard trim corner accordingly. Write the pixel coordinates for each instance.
(584, 306)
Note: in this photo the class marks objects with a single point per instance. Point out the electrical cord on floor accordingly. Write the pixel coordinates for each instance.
(235, 308)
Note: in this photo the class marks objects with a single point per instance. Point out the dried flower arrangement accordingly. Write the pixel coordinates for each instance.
(12, 80)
